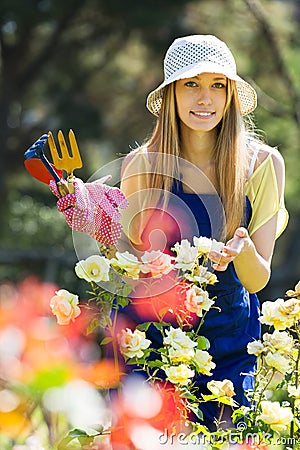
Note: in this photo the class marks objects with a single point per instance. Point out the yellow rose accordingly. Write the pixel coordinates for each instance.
(295, 293)
(178, 339)
(204, 362)
(290, 307)
(255, 348)
(278, 417)
(223, 388)
(272, 315)
(64, 306)
(133, 344)
(181, 374)
(197, 300)
(127, 263)
(202, 275)
(279, 362)
(94, 268)
(279, 340)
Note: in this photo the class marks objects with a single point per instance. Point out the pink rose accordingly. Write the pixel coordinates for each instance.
(64, 306)
(157, 263)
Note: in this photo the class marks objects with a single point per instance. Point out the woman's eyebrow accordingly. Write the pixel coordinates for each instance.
(221, 77)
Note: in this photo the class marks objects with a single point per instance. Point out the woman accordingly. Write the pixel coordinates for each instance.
(202, 173)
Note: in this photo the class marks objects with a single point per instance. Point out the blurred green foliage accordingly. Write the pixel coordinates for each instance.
(88, 65)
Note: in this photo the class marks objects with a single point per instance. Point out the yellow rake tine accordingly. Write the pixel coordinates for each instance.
(66, 161)
(75, 149)
(53, 150)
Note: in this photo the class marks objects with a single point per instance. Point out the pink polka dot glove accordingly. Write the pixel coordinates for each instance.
(93, 209)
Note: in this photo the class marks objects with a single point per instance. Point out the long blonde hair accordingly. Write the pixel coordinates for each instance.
(231, 154)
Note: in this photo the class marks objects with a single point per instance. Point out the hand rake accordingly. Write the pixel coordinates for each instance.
(67, 161)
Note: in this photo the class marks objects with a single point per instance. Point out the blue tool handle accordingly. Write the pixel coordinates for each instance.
(36, 151)
(49, 167)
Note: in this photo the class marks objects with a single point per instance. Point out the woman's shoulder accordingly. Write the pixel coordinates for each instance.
(265, 155)
(135, 160)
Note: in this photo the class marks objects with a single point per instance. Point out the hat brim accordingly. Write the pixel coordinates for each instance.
(246, 94)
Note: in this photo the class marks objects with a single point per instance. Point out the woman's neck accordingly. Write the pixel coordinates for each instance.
(197, 148)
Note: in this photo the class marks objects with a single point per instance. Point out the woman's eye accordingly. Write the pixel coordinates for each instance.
(190, 84)
(219, 85)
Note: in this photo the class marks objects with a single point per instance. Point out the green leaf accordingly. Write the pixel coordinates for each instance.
(203, 343)
(77, 432)
(209, 398)
(93, 324)
(78, 435)
(106, 340)
(144, 326)
(160, 325)
(196, 410)
(122, 301)
(155, 363)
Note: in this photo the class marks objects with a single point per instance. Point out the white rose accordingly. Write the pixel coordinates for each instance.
(278, 417)
(203, 362)
(279, 340)
(279, 362)
(94, 268)
(157, 263)
(181, 355)
(203, 244)
(202, 275)
(294, 391)
(178, 339)
(181, 374)
(197, 300)
(133, 344)
(186, 255)
(255, 348)
(127, 263)
(217, 246)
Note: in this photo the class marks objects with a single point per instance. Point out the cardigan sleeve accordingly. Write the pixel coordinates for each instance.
(262, 192)
(134, 175)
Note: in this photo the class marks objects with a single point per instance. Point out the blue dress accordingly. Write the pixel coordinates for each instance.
(235, 323)
(231, 329)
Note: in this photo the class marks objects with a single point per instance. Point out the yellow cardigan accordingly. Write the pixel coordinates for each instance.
(261, 190)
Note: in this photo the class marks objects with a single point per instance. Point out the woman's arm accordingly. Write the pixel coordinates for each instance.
(252, 256)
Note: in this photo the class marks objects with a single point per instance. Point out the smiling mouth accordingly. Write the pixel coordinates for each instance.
(203, 114)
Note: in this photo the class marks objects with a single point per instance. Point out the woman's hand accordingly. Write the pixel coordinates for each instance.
(93, 208)
(231, 250)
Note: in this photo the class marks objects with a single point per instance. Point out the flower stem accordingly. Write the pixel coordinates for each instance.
(292, 429)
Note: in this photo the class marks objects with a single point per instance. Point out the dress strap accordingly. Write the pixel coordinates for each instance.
(253, 160)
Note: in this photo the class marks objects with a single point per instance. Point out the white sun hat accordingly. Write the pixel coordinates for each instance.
(191, 55)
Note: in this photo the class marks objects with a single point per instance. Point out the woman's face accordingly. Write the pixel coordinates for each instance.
(201, 100)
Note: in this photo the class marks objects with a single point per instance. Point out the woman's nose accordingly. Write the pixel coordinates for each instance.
(204, 97)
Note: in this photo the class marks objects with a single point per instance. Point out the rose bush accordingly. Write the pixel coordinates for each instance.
(170, 369)
(185, 353)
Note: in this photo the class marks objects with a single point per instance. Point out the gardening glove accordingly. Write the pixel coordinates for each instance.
(93, 208)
